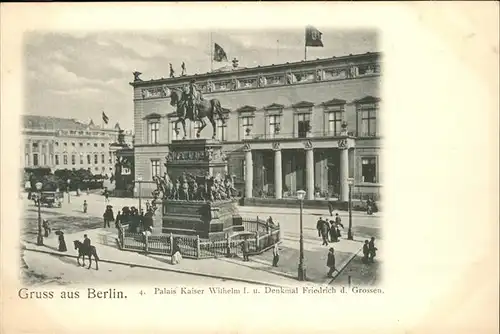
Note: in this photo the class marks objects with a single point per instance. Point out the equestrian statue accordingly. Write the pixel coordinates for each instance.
(191, 105)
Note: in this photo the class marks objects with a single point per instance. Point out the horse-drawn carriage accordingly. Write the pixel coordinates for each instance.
(49, 198)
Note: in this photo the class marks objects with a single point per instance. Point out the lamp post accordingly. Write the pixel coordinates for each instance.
(69, 200)
(301, 194)
(350, 181)
(39, 237)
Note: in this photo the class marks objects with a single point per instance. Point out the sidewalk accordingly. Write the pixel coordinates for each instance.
(264, 212)
(104, 240)
(257, 271)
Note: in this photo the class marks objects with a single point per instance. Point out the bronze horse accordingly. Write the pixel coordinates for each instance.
(205, 108)
(83, 251)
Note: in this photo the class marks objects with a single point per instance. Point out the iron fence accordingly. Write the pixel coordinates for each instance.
(260, 235)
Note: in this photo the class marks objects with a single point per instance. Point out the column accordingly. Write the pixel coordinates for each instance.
(248, 171)
(344, 174)
(278, 172)
(309, 170)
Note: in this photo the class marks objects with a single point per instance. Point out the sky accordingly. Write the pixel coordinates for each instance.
(79, 75)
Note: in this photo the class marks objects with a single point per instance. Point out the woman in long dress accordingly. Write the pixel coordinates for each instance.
(62, 242)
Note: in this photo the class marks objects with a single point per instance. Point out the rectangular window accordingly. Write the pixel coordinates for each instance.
(221, 130)
(102, 158)
(89, 160)
(44, 159)
(81, 159)
(65, 144)
(35, 145)
(368, 114)
(274, 125)
(334, 123)
(102, 144)
(110, 160)
(81, 144)
(155, 168)
(65, 159)
(57, 159)
(57, 143)
(27, 160)
(96, 159)
(73, 159)
(303, 123)
(247, 124)
(95, 144)
(368, 170)
(154, 129)
(73, 144)
(35, 159)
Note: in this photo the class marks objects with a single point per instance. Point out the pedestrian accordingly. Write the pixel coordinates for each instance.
(276, 255)
(46, 228)
(338, 220)
(318, 226)
(176, 252)
(246, 249)
(366, 252)
(108, 216)
(330, 262)
(62, 242)
(333, 232)
(85, 205)
(106, 195)
(325, 229)
(372, 249)
(330, 207)
(118, 219)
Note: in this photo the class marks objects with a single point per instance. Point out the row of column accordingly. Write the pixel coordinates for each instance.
(278, 180)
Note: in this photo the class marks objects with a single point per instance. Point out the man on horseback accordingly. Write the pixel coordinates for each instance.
(86, 242)
(192, 98)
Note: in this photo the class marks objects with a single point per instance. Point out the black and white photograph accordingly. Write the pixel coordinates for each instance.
(241, 155)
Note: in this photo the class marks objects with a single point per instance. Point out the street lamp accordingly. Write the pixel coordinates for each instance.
(69, 181)
(139, 180)
(350, 181)
(39, 238)
(301, 194)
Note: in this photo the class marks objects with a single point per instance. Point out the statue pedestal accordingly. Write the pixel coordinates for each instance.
(206, 219)
(198, 158)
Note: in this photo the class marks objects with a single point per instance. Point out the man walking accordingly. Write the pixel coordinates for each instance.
(246, 249)
(372, 249)
(325, 228)
(333, 232)
(366, 252)
(276, 255)
(330, 262)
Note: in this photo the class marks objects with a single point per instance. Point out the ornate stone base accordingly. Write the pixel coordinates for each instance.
(200, 218)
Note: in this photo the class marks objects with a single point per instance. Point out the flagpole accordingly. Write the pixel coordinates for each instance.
(278, 47)
(305, 52)
(211, 53)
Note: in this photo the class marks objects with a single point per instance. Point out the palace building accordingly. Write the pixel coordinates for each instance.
(306, 125)
(61, 143)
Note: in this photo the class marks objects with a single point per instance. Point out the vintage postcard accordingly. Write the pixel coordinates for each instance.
(250, 168)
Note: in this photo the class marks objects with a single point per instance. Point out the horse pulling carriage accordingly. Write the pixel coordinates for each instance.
(48, 198)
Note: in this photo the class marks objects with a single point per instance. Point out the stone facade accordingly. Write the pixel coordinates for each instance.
(283, 125)
(60, 143)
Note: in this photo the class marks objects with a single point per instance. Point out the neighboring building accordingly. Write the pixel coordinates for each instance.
(283, 126)
(61, 143)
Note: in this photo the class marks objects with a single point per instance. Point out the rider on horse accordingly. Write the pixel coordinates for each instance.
(192, 98)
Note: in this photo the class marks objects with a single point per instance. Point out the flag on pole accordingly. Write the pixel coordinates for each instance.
(105, 118)
(219, 53)
(313, 37)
